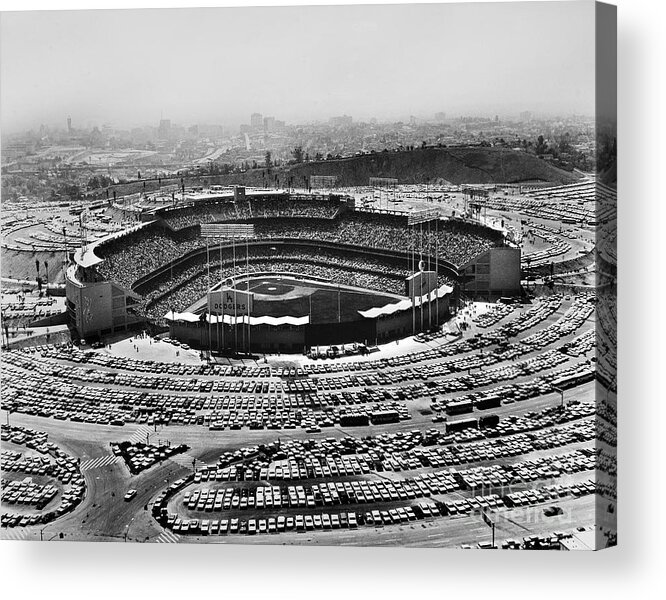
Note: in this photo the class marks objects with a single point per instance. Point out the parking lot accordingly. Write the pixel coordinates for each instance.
(403, 444)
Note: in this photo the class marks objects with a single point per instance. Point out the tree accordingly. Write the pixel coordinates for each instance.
(297, 153)
(268, 159)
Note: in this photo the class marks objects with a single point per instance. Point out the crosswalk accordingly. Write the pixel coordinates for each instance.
(16, 533)
(168, 537)
(140, 434)
(99, 462)
(184, 459)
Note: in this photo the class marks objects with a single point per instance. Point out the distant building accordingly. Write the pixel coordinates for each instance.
(526, 116)
(244, 128)
(323, 181)
(69, 124)
(164, 130)
(269, 124)
(383, 182)
(257, 121)
(440, 117)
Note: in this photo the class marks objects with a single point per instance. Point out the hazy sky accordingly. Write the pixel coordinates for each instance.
(298, 64)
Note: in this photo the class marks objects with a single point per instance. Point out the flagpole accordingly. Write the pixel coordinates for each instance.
(429, 294)
(220, 339)
(210, 341)
(233, 281)
(247, 272)
(413, 244)
(437, 271)
(421, 280)
(339, 317)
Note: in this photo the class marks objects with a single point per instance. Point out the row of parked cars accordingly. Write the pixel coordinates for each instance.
(71, 353)
(268, 525)
(51, 462)
(42, 362)
(549, 492)
(322, 494)
(543, 467)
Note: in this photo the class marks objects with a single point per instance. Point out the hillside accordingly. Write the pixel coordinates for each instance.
(454, 165)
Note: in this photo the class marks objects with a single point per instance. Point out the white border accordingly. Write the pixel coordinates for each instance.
(81, 570)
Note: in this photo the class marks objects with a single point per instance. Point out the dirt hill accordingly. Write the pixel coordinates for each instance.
(455, 165)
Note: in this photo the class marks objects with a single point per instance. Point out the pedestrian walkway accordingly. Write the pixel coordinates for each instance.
(99, 462)
(183, 459)
(140, 434)
(167, 537)
(16, 533)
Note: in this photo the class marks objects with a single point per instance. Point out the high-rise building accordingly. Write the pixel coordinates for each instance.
(269, 124)
(164, 129)
(257, 121)
(440, 117)
(69, 124)
(526, 116)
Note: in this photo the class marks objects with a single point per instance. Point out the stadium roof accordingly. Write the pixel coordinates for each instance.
(390, 309)
(189, 317)
(85, 257)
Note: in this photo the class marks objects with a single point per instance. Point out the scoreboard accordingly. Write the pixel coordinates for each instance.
(227, 230)
(230, 302)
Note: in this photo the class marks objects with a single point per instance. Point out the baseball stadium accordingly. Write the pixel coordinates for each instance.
(299, 271)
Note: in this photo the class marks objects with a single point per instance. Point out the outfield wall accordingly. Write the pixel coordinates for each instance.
(296, 339)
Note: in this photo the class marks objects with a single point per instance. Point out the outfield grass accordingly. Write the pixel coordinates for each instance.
(285, 297)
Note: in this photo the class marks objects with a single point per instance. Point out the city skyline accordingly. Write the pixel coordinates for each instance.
(384, 66)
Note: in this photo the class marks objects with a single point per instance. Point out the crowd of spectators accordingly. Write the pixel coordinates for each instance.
(251, 208)
(140, 253)
(128, 258)
(454, 241)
